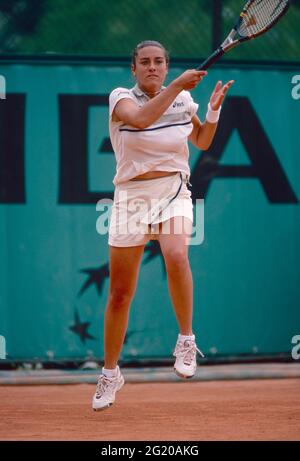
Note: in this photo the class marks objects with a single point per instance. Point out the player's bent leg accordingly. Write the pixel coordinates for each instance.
(174, 246)
(173, 239)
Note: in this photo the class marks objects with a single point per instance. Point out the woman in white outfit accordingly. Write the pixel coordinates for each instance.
(150, 126)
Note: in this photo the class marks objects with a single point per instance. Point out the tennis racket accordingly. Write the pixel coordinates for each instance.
(257, 17)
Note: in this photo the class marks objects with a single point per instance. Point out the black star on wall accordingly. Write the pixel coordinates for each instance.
(80, 328)
(95, 277)
(131, 333)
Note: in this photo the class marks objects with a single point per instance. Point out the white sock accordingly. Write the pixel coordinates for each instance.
(186, 337)
(110, 373)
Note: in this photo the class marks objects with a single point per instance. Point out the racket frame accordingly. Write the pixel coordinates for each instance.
(230, 41)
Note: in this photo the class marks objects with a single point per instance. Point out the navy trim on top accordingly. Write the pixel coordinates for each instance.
(156, 128)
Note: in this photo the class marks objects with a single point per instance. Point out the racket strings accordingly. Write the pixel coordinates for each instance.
(259, 15)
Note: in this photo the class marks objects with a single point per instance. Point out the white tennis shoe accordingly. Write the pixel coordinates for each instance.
(185, 352)
(106, 390)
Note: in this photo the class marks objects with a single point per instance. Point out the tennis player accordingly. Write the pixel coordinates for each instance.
(150, 126)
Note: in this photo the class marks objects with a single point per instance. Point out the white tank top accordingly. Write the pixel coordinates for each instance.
(162, 146)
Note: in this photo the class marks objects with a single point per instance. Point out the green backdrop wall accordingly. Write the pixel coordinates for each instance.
(56, 162)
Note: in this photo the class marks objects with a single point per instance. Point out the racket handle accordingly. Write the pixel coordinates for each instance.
(212, 59)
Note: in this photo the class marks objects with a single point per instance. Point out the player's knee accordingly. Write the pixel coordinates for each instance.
(177, 259)
(120, 297)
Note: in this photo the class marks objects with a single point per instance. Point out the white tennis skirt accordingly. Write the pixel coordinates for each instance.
(140, 205)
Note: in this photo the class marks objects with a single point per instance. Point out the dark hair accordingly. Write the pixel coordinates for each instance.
(149, 43)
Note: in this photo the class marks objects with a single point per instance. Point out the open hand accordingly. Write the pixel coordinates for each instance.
(219, 94)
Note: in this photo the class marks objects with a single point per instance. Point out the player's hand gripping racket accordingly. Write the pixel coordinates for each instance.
(257, 17)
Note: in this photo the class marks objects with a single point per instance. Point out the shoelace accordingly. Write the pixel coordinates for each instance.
(104, 384)
(188, 351)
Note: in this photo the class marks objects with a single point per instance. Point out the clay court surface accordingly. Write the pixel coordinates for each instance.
(215, 410)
